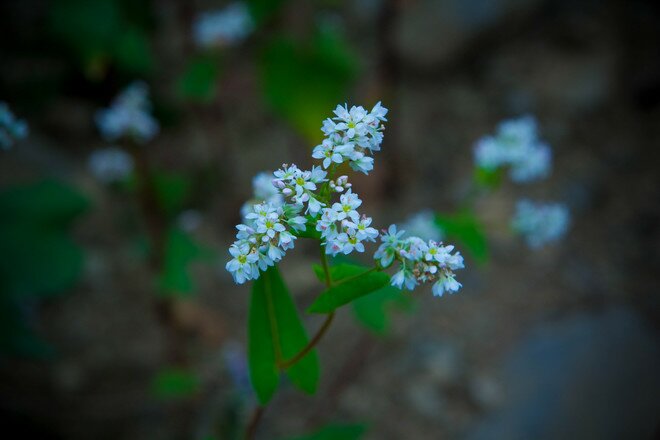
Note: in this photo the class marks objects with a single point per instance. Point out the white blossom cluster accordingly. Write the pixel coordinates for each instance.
(422, 224)
(351, 136)
(419, 261)
(11, 129)
(222, 27)
(129, 115)
(342, 227)
(516, 144)
(263, 240)
(540, 223)
(110, 165)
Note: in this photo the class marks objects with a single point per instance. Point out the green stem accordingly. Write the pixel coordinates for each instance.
(324, 327)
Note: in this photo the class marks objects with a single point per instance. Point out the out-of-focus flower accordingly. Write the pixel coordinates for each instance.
(11, 129)
(223, 27)
(423, 225)
(540, 223)
(129, 115)
(516, 145)
(110, 165)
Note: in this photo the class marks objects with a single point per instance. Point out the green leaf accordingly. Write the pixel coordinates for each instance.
(372, 310)
(172, 191)
(275, 332)
(175, 383)
(198, 82)
(339, 272)
(262, 10)
(348, 289)
(466, 229)
(132, 51)
(488, 178)
(303, 82)
(180, 251)
(335, 432)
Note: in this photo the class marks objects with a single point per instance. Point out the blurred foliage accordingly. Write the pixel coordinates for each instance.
(486, 178)
(303, 82)
(181, 250)
(263, 10)
(104, 33)
(175, 383)
(172, 191)
(199, 81)
(39, 259)
(373, 310)
(335, 432)
(275, 334)
(464, 228)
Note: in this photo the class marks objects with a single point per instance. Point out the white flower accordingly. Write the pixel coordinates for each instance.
(10, 128)
(403, 277)
(516, 144)
(110, 165)
(327, 224)
(349, 202)
(242, 266)
(326, 151)
(540, 223)
(223, 27)
(336, 243)
(128, 115)
(362, 229)
(446, 283)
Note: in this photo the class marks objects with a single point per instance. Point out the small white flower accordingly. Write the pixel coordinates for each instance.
(349, 202)
(110, 165)
(223, 27)
(362, 229)
(446, 283)
(540, 223)
(129, 115)
(326, 151)
(242, 266)
(11, 129)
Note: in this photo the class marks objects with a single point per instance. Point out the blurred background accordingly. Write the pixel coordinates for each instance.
(118, 320)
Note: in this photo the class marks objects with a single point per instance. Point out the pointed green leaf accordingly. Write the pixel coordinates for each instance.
(351, 288)
(277, 333)
(340, 272)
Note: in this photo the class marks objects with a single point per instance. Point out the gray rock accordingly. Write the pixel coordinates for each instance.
(586, 377)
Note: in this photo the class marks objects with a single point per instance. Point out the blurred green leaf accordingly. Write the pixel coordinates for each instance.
(348, 288)
(488, 178)
(372, 310)
(275, 331)
(180, 251)
(38, 258)
(172, 191)
(198, 82)
(339, 272)
(335, 432)
(466, 229)
(100, 32)
(262, 10)
(132, 51)
(304, 82)
(175, 383)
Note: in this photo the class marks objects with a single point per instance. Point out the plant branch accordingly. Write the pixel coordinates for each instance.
(251, 429)
(311, 344)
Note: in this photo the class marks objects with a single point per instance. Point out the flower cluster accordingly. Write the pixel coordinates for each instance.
(351, 136)
(10, 128)
(263, 239)
(110, 165)
(223, 27)
(423, 225)
(342, 227)
(540, 223)
(129, 115)
(299, 186)
(516, 144)
(420, 261)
